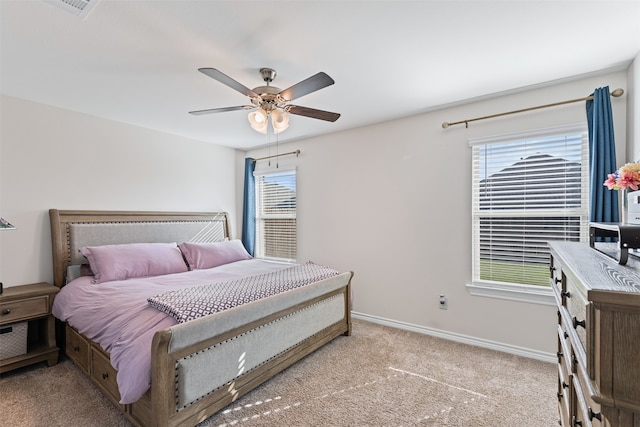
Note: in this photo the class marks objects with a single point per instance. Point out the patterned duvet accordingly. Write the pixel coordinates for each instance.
(197, 301)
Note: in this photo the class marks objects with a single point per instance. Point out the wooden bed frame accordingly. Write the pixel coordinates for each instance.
(316, 314)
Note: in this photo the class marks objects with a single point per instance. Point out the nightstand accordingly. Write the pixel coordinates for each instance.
(30, 304)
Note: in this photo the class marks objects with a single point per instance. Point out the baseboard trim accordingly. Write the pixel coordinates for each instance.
(465, 339)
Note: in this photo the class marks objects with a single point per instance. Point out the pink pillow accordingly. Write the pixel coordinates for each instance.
(120, 262)
(209, 255)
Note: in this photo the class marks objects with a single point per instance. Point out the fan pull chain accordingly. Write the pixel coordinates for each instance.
(269, 140)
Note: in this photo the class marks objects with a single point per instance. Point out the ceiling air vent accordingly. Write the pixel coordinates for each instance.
(79, 8)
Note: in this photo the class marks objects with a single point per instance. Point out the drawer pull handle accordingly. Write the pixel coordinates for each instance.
(566, 294)
(596, 415)
(566, 335)
(576, 422)
(560, 355)
(560, 395)
(7, 311)
(577, 323)
(76, 348)
(564, 385)
(105, 376)
(557, 280)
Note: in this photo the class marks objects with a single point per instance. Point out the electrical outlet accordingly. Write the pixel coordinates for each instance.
(443, 302)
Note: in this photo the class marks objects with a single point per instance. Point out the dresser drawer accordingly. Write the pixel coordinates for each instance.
(563, 402)
(77, 348)
(556, 281)
(578, 407)
(572, 298)
(590, 408)
(576, 304)
(564, 352)
(28, 308)
(104, 374)
(564, 375)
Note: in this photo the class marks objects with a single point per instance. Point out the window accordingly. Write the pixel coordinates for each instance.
(276, 231)
(527, 189)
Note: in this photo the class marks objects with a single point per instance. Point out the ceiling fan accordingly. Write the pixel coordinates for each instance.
(270, 101)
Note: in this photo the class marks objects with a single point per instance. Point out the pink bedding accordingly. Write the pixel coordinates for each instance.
(117, 315)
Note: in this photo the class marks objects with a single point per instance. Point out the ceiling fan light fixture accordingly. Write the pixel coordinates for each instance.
(258, 121)
(279, 120)
(271, 101)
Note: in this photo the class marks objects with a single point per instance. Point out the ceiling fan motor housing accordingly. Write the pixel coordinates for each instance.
(268, 74)
(268, 98)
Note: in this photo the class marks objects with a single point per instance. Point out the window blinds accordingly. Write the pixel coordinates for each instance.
(276, 230)
(527, 190)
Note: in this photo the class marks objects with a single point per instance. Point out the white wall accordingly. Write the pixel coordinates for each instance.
(54, 158)
(633, 111)
(392, 202)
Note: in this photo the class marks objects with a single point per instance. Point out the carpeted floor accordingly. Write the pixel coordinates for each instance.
(379, 376)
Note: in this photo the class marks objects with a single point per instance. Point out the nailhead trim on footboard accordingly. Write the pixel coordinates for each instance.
(204, 372)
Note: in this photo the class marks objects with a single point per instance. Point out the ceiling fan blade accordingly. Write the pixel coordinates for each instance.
(305, 87)
(313, 113)
(221, 110)
(224, 79)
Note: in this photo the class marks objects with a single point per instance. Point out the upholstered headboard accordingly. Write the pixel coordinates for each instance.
(71, 230)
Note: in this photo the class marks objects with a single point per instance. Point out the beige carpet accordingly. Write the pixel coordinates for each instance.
(379, 376)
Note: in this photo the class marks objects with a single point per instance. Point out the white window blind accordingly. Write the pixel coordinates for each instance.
(528, 189)
(276, 230)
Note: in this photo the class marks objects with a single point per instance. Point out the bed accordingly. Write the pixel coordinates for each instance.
(195, 366)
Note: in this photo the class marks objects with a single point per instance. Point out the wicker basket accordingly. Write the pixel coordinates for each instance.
(13, 340)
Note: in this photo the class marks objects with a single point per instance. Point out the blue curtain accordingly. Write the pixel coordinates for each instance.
(249, 207)
(602, 157)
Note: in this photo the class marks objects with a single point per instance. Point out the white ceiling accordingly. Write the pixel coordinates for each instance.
(136, 61)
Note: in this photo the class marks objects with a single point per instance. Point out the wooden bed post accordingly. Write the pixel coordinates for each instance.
(57, 246)
(163, 379)
(347, 306)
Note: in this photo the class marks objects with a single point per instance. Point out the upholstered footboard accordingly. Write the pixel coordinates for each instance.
(194, 375)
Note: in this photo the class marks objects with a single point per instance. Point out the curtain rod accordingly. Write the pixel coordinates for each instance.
(616, 92)
(297, 153)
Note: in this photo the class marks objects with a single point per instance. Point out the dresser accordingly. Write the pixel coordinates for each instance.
(598, 336)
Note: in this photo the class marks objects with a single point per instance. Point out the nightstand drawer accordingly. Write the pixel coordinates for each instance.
(24, 309)
(78, 349)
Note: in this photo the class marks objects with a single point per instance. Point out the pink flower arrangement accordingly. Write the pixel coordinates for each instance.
(627, 177)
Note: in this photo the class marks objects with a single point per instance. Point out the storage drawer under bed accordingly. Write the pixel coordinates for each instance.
(104, 374)
(94, 361)
(77, 348)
